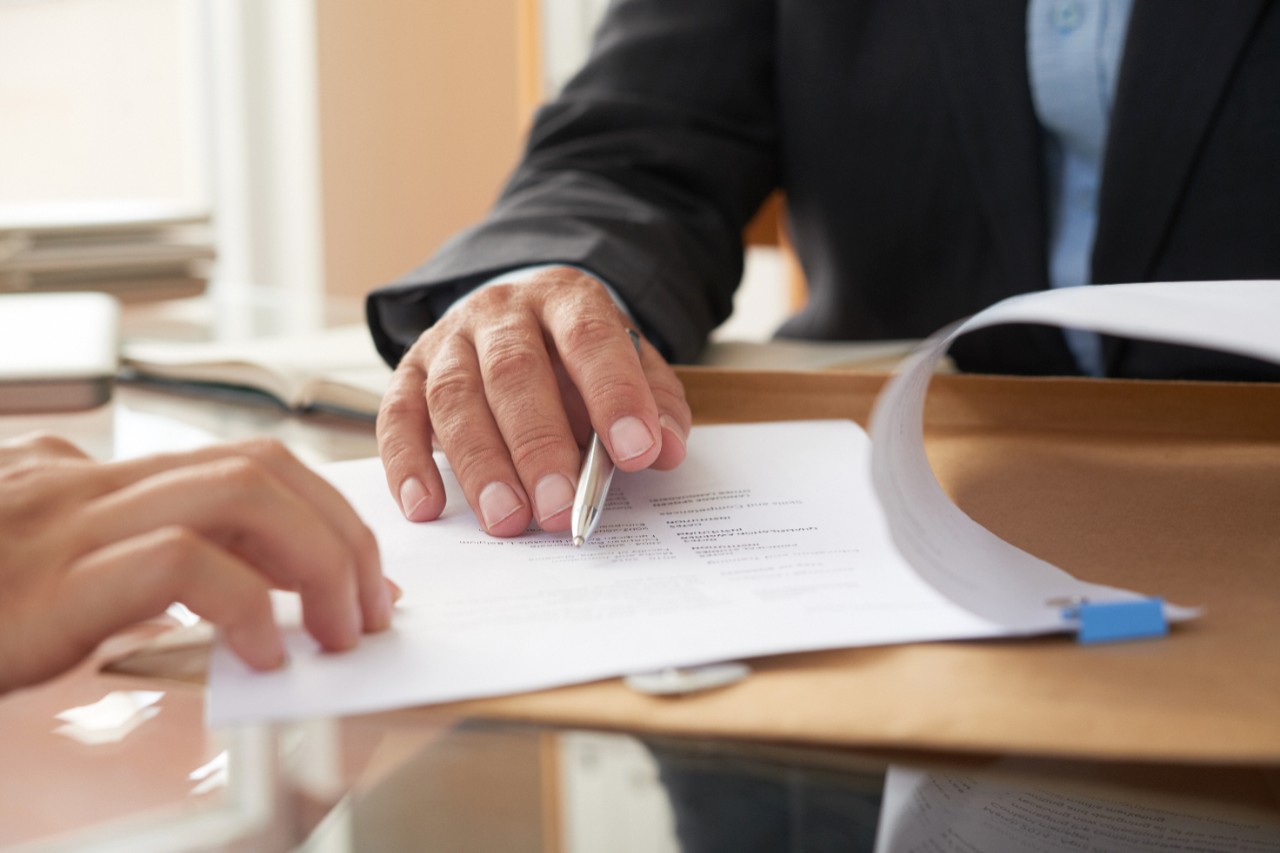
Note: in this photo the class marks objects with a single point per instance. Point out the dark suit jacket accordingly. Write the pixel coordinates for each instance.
(904, 136)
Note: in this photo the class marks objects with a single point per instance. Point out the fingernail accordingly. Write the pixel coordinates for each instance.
(498, 502)
(412, 495)
(629, 438)
(669, 424)
(552, 496)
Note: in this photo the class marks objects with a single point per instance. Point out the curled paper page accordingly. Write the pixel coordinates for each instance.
(960, 558)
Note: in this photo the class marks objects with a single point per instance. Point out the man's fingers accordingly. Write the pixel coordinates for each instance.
(471, 439)
(238, 502)
(674, 415)
(404, 443)
(503, 383)
(601, 360)
(375, 598)
(523, 396)
(137, 578)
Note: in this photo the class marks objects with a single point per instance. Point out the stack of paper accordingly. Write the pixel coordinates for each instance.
(133, 250)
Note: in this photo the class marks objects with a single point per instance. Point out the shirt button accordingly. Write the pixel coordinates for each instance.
(1067, 16)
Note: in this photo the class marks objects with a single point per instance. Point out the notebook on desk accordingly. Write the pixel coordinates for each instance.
(334, 371)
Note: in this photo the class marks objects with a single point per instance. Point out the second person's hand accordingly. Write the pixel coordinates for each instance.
(509, 383)
(91, 548)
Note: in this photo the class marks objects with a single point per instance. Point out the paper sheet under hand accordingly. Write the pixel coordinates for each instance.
(767, 539)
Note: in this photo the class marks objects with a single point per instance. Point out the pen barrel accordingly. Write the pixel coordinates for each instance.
(593, 487)
(593, 482)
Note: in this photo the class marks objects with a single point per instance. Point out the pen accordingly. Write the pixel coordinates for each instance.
(593, 482)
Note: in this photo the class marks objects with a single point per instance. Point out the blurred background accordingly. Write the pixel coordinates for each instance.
(309, 148)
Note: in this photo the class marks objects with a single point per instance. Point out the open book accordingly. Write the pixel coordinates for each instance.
(336, 370)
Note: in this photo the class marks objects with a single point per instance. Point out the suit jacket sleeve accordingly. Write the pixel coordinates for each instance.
(644, 170)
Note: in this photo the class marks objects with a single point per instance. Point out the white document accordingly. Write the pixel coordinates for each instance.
(767, 539)
(924, 812)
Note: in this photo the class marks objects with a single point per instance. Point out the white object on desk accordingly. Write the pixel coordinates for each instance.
(132, 249)
(682, 681)
(58, 351)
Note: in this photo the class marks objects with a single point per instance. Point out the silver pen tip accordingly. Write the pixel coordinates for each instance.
(577, 541)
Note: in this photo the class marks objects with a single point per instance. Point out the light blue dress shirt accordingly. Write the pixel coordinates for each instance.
(1074, 48)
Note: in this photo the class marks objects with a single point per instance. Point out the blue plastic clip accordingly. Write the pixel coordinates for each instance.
(1108, 621)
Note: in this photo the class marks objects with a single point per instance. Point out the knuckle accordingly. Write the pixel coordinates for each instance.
(470, 461)
(512, 357)
(497, 297)
(535, 446)
(476, 456)
(450, 380)
(587, 335)
(175, 547)
(48, 444)
(614, 389)
(395, 411)
(572, 288)
(511, 365)
(400, 457)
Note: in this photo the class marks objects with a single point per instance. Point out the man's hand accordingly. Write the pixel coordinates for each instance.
(510, 383)
(87, 549)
